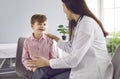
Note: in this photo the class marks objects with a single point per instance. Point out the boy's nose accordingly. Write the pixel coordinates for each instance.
(42, 25)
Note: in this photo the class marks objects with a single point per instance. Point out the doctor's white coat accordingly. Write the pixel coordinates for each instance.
(87, 54)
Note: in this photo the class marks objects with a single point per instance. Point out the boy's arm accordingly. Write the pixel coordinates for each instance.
(52, 52)
(25, 55)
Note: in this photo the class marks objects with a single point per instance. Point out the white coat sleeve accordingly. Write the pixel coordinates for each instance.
(82, 41)
(65, 46)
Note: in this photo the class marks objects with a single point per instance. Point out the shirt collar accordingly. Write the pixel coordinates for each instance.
(79, 19)
(34, 39)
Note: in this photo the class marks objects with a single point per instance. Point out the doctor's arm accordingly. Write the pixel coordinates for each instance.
(65, 46)
(80, 48)
(83, 40)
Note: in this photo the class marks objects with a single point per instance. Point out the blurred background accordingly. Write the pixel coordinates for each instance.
(15, 22)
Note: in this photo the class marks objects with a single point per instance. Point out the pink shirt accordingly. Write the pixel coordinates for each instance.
(34, 48)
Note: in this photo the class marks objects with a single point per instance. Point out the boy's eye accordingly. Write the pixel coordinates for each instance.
(44, 24)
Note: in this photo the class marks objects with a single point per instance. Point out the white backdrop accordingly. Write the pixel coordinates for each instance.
(15, 17)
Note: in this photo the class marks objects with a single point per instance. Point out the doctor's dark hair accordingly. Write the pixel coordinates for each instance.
(80, 7)
(38, 18)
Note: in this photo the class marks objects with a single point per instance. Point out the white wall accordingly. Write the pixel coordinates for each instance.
(95, 7)
(15, 17)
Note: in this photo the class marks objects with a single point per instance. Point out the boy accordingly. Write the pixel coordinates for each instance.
(38, 44)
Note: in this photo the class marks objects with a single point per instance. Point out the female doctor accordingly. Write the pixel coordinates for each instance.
(87, 53)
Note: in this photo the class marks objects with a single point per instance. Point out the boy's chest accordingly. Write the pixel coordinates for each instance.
(39, 48)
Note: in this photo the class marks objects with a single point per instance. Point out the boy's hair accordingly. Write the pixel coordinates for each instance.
(38, 18)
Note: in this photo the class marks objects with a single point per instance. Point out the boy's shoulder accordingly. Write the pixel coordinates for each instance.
(48, 38)
(28, 39)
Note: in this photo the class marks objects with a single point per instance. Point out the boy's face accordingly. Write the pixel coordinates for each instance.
(39, 28)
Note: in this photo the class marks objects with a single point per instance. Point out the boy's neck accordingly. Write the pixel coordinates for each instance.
(37, 36)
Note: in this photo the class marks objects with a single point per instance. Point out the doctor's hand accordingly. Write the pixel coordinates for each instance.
(53, 37)
(39, 62)
(33, 69)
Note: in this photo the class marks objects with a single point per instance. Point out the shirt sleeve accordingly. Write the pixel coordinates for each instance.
(65, 46)
(52, 51)
(25, 55)
(82, 41)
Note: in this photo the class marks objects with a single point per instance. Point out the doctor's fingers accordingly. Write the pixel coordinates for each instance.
(32, 64)
(49, 35)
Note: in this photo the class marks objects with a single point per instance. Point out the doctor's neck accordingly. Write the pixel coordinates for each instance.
(75, 17)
